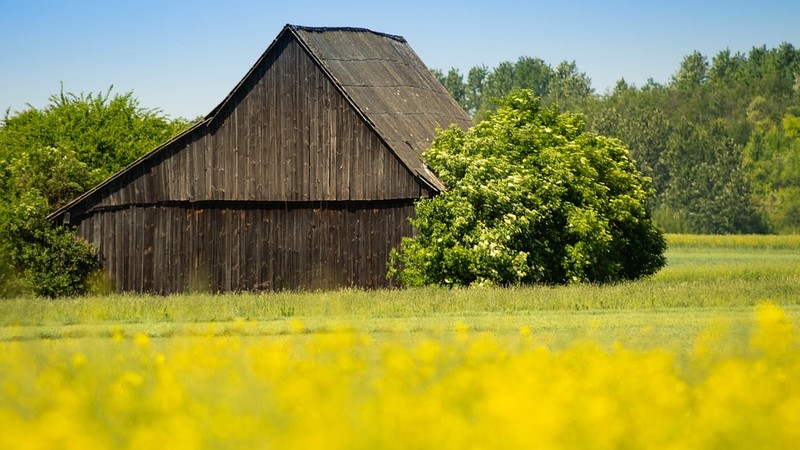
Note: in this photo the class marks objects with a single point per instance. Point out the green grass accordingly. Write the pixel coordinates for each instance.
(707, 280)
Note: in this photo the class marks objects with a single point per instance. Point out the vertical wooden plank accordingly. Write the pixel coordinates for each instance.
(198, 188)
(236, 249)
(279, 260)
(258, 144)
(291, 109)
(298, 235)
(333, 224)
(147, 248)
(244, 126)
(122, 239)
(287, 232)
(334, 118)
(306, 96)
(213, 164)
(159, 250)
(138, 252)
(169, 246)
(216, 239)
(357, 173)
(233, 154)
(323, 140)
(186, 232)
(179, 242)
(254, 247)
(269, 250)
(202, 261)
(166, 243)
(344, 150)
(110, 258)
(270, 160)
(379, 183)
(282, 141)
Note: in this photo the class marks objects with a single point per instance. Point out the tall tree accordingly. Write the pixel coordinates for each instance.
(693, 71)
(474, 89)
(454, 83)
(708, 186)
(772, 160)
(534, 74)
(569, 87)
(636, 118)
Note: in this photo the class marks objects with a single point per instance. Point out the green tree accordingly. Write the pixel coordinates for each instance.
(474, 89)
(534, 74)
(498, 83)
(636, 118)
(569, 88)
(708, 187)
(726, 67)
(48, 157)
(772, 160)
(531, 198)
(454, 83)
(693, 71)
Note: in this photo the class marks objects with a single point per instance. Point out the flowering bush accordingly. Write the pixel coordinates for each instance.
(531, 198)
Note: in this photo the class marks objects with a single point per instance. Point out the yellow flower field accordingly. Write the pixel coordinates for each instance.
(457, 388)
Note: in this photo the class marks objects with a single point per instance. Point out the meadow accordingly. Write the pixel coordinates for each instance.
(702, 355)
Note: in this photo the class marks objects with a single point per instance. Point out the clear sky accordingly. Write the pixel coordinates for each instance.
(185, 56)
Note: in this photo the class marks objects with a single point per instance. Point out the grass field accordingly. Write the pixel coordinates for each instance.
(704, 354)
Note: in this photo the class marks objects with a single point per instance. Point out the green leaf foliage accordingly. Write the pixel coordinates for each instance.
(48, 157)
(728, 112)
(76, 141)
(53, 262)
(531, 198)
(772, 161)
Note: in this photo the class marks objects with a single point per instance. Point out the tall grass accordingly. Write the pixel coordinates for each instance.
(701, 272)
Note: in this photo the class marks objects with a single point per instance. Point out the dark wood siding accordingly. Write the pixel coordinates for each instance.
(244, 246)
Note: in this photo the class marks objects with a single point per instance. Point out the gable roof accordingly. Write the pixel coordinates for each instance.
(381, 77)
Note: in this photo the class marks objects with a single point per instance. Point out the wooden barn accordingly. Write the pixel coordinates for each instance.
(304, 176)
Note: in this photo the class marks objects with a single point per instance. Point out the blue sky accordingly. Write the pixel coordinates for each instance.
(184, 56)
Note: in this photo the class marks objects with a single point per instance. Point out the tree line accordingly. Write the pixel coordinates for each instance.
(720, 140)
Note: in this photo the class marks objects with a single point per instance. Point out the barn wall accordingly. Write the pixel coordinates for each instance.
(244, 246)
(287, 134)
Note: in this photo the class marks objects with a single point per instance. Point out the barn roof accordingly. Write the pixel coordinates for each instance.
(382, 78)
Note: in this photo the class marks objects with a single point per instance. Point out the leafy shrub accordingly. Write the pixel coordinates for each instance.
(49, 261)
(531, 198)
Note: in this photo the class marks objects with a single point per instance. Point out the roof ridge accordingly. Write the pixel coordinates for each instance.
(348, 29)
